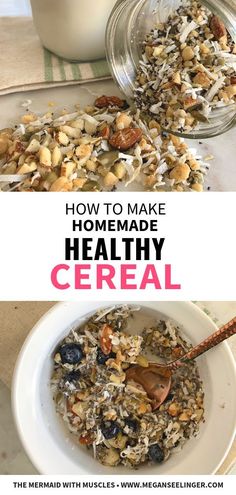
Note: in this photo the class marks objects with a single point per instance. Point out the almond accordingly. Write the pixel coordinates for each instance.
(231, 90)
(110, 179)
(194, 164)
(197, 187)
(26, 169)
(126, 138)
(176, 78)
(33, 146)
(111, 457)
(123, 121)
(180, 172)
(19, 147)
(105, 340)
(217, 27)
(177, 352)
(28, 118)
(71, 132)
(187, 53)
(3, 146)
(70, 400)
(157, 51)
(189, 102)
(86, 440)
(109, 101)
(167, 85)
(79, 409)
(45, 156)
(63, 138)
(56, 156)
(110, 415)
(105, 132)
(175, 140)
(119, 170)
(202, 79)
(6, 132)
(174, 409)
(185, 415)
(143, 408)
(60, 185)
(233, 80)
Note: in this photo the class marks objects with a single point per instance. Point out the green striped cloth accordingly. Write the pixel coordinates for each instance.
(26, 65)
(57, 69)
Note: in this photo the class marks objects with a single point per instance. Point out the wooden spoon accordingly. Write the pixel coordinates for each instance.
(156, 378)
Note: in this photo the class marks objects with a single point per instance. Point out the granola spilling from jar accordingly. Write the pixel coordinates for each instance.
(112, 416)
(99, 148)
(188, 69)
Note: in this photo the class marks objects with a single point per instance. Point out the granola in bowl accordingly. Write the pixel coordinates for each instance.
(114, 417)
(187, 74)
(104, 147)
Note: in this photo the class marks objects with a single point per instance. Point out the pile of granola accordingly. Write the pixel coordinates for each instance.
(98, 148)
(188, 68)
(112, 416)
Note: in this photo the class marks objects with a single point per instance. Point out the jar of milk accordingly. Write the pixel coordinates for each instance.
(73, 29)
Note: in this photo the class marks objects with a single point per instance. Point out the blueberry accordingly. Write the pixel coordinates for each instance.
(131, 423)
(169, 397)
(110, 429)
(73, 376)
(155, 453)
(102, 358)
(70, 353)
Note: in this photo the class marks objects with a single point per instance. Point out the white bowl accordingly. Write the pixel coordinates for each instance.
(51, 448)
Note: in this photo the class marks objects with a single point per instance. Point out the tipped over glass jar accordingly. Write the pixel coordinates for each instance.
(176, 61)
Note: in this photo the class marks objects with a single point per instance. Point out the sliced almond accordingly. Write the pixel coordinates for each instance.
(28, 118)
(45, 157)
(56, 156)
(60, 184)
(33, 146)
(70, 131)
(67, 169)
(27, 168)
(105, 339)
(63, 138)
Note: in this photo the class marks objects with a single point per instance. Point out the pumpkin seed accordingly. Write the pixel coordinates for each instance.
(91, 185)
(108, 158)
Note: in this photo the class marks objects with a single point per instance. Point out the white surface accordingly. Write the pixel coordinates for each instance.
(32, 402)
(15, 7)
(221, 177)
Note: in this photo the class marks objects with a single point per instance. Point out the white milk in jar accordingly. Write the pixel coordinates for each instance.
(73, 29)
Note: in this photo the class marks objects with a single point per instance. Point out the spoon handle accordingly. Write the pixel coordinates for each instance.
(216, 338)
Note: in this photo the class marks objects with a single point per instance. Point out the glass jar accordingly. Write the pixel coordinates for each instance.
(73, 29)
(127, 27)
